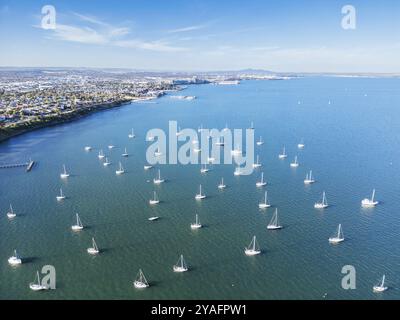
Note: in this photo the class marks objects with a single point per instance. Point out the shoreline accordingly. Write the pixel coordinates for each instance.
(8, 133)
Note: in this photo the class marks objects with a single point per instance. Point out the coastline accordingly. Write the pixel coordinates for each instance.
(8, 133)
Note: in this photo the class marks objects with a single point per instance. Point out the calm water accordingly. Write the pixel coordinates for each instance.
(352, 146)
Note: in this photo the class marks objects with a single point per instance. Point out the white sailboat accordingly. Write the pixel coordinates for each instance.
(158, 152)
(106, 162)
(238, 171)
(253, 248)
(204, 169)
(78, 226)
(147, 167)
(265, 204)
(11, 214)
(200, 195)
(338, 236)
(131, 135)
(301, 145)
(125, 154)
(15, 259)
(153, 218)
(101, 154)
(61, 196)
(222, 185)
(323, 204)
(181, 265)
(36, 285)
(381, 286)
(370, 202)
(257, 164)
(210, 159)
(260, 142)
(140, 282)
(158, 180)
(64, 174)
(111, 146)
(274, 224)
(220, 142)
(261, 183)
(294, 164)
(197, 224)
(88, 148)
(120, 170)
(226, 127)
(155, 199)
(237, 151)
(309, 178)
(283, 155)
(93, 249)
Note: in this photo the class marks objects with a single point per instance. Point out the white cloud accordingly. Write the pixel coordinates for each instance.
(189, 28)
(102, 33)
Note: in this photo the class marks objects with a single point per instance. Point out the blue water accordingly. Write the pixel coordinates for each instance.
(352, 146)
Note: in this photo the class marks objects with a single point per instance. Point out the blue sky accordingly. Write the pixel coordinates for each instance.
(285, 35)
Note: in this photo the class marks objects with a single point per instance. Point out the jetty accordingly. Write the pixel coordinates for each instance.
(28, 165)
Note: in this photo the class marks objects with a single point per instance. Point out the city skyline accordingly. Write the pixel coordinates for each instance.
(203, 36)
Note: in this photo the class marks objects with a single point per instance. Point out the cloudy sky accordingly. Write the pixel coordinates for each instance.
(285, 35)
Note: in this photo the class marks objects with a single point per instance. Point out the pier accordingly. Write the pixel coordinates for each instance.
(28, 165)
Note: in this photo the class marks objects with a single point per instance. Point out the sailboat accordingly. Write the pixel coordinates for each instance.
(147, 167)
(260, 142)
(274, 224)
(210, 159)
(238, 171)
(78, 226)
(158, 180)
(155, 199)
(237, 151)
(283, 155)
(180, 266)
(323, 204)
(125, 154)
(381, 286)
(157, 153)
(106, 162)
(200, 195)
(64, 174)
(101, 154)
(253, 248)
(140, 282)
(111, 146)
(88, 148)
(120, 170)
(36, 285)
(257, 164)
(61, 196)
(94, 249)
(338, 236)
(197, 224)
(226, 127)
(261, 183)
(370, 202)
(301, 144)
(220, 142)
(15, 259)
(131, 135)
(222, 185)
(294, 164)
(11, 214)
(265, 204)
(153, 218)
(309, 178)
(204, 169)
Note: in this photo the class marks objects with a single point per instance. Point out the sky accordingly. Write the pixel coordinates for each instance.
(206, 35)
